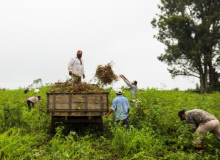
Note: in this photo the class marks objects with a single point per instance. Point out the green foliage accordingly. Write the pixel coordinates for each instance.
(191, 32)
(37, 83)
(156, 131)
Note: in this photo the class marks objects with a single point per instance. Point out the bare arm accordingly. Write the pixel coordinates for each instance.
(123, 77)
(126, 80)
(110, 111)
(192, 122)
(35, 101)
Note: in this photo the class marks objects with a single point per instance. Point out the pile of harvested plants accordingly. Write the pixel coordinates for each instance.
(73, 88)
(105, 75)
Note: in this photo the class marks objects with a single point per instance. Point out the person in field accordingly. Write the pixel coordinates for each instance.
(76, 67)
(36, 90)
(26, 90)
(202, 122)
(121, 107)
(132, 85)
(32, 100)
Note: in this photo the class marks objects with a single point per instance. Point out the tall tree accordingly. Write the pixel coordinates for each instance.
(37, 82)
(190, 29)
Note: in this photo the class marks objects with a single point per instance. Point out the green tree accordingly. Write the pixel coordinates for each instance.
(190, 31)
(38, 82)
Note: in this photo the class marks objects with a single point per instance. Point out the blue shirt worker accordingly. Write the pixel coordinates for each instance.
(121, 107)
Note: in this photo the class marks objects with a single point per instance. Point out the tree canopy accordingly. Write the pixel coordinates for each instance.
(190, 29)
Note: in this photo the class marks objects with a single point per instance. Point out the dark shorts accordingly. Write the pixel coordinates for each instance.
(30, 104)
(124, 122)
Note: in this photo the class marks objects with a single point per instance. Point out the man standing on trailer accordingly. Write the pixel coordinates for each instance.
(202, 123)
(76, 67)
(121, 107)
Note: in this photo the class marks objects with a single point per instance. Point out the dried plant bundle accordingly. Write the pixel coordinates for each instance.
(75, 87)
(105, 75)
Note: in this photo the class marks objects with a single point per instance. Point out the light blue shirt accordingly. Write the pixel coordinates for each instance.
(120, 106)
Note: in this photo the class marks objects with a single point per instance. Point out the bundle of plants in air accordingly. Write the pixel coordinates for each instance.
(105, 75)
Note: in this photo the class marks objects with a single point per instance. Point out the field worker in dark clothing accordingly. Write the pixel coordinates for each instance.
(32, 100)
(26, 90)
(76, 67)
(132, 85)
(202, 122)
(121, 107)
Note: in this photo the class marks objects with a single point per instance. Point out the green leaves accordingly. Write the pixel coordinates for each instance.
(156, 131)
(191, 32)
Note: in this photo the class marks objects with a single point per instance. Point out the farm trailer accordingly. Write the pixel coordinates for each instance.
(75, 108)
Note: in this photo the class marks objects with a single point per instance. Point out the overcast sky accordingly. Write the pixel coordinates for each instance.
(38, 38)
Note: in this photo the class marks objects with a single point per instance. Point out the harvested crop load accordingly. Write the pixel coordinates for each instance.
(72, 88)
(105, 74)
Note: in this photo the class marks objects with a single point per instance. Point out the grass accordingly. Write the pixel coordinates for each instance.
(155, 129)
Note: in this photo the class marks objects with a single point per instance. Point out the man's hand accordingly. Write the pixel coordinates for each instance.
(83, 76)
(109, 112)
(70, 72)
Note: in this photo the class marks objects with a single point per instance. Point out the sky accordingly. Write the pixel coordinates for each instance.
(38, 38)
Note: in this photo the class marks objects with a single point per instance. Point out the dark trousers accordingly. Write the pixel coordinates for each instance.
(30, 104)
(124, 122)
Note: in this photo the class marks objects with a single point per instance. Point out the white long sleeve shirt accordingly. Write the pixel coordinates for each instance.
(76, 67)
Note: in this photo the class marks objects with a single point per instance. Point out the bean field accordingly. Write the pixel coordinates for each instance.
(156, 131)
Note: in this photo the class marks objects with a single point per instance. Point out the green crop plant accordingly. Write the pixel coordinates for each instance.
(156, 131)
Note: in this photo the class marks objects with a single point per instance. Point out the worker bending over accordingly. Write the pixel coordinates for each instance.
(202, 122)
(32, 100)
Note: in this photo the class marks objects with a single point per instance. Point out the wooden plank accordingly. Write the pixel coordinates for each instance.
(94, 106)
(62, 106)
(58, 113)
(101, 104)
(78, 98)
(70, 103)
(78, 106)
(79, 120)
(86, 101)
(54, 104)
(62, 99)
(90, 104)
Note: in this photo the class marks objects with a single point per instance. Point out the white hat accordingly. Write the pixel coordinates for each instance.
(119, 91)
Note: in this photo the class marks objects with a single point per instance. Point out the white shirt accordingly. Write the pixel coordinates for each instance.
(75, 66)
(36, 90)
